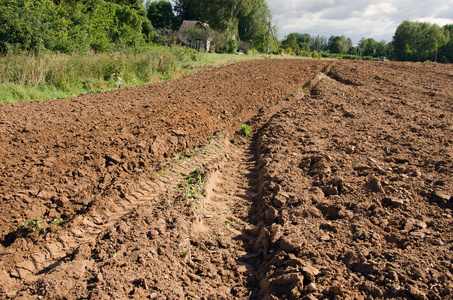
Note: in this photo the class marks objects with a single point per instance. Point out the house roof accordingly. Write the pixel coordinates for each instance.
(187, 24)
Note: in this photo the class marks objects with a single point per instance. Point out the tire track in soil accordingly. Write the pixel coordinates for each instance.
(84, 229)
(229, 168)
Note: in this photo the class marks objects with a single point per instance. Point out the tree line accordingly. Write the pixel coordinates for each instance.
(77, 26)
(70, 26)
(413, 41)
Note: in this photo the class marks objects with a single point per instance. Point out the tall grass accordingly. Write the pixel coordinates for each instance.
(28, 76)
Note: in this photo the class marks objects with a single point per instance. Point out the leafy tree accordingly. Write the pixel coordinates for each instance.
(136, 4)
(191, 10)
(301, 41)
(418, 41)
(368, 47)
(445, 54)
(318, 43)
(20, 25)
(381, 49)
(160, 13)
(449, 30)
(339, 44)
(290, 43)
(352, 51)
(253, 26)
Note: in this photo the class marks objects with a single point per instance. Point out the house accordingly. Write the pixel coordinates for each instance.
(195, 34)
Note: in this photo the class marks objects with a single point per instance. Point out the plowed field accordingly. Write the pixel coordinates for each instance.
(342, 191)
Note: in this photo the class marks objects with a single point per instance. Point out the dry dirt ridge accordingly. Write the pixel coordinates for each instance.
(343, 191)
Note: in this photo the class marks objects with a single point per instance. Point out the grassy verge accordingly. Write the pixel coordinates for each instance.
(27, 77)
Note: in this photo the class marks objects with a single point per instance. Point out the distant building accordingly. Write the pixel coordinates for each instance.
(194, 34)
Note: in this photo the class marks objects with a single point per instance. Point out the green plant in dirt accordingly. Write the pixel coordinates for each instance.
(58, 222)
(194, 186)
(32, 225)
(299, 91)
(228, 223)
(245, 129)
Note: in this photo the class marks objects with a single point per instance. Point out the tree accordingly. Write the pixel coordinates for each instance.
(318, 43)
(417, 41)
(339, 44)
(290, 43)
(368, 47)
(136, 4)
(449, 30)
(445, 54)
(381, 49)
(191, 10)
(252, 26)
(160, 13)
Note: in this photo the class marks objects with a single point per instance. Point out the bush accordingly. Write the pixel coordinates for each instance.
(352, 57)
(229, 47)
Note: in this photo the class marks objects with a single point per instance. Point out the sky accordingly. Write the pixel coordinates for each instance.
(355, 18)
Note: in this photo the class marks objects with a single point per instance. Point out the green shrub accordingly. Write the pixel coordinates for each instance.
(229, 47)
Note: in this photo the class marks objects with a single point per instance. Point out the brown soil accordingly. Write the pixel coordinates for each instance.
(344, 191)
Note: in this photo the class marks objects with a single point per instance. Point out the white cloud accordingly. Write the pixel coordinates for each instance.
(354, 18)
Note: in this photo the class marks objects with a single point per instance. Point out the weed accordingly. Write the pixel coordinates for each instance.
(58, 222)
(32, 225)
(228, 223)
(194, 187)
(245, 129)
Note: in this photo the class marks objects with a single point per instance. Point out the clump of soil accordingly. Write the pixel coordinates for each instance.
(353, 179)
(344, 190)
